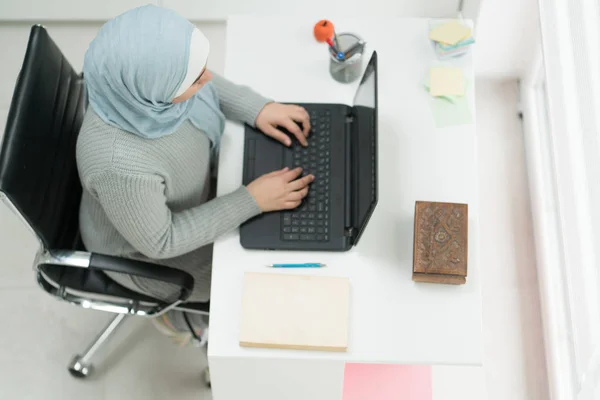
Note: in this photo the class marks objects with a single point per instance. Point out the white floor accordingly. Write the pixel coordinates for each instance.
(40, 334)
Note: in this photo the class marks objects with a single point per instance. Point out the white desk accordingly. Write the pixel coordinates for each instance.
(393, 319)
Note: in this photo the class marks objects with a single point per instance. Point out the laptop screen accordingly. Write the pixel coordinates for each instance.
(364, 152)
(365, 94)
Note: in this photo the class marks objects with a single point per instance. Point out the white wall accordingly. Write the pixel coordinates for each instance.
(65, 10)
(72, 38)
(508, 33)
(218, 10)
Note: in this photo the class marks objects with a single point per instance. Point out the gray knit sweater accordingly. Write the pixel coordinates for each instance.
(150, 199)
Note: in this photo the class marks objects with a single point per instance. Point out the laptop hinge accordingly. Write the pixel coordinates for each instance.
(348, 192)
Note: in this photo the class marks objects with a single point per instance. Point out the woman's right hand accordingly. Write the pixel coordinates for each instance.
(280, 190)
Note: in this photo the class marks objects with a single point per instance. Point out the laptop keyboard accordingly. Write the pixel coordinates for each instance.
(310, 221)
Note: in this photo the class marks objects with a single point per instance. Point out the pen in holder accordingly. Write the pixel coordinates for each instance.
(348, 68)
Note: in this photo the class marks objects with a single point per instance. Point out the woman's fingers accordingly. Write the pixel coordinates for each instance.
(289, 124)
(290, 205)
(297, 195)
(301, 183)
(278, 135)
(301, 115)
(278, 172)
(292, 175)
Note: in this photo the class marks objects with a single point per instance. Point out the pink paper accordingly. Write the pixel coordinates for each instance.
(387, 382)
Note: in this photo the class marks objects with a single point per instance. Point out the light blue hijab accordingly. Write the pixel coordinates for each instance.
(133, 69)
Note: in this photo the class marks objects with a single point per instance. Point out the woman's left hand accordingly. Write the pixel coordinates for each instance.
(275, 115)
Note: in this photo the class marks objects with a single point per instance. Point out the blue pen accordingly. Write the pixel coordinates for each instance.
(338, 54)
(302, 265)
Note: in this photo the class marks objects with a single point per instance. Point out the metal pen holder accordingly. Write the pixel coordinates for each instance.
(349, 69)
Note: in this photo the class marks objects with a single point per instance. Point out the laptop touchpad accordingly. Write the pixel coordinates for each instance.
(268, 156)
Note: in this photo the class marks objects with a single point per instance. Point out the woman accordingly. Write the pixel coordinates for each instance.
(149, 141)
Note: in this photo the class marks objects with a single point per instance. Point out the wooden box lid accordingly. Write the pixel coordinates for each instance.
(440, 242)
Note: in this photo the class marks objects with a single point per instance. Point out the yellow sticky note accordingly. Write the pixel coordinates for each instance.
(445, 81)
(450, 33)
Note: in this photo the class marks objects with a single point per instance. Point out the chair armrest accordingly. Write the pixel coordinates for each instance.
(105, 263)
(145, 270)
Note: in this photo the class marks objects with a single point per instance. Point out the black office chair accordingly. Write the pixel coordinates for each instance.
(40, 183)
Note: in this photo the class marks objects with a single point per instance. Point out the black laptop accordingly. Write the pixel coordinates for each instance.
(342, 155)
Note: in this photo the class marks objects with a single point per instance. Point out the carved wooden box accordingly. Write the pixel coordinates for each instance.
(441, 243)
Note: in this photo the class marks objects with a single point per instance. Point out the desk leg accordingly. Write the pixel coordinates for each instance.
(276, 379)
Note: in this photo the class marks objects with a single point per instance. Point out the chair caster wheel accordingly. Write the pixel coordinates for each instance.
(79, 369)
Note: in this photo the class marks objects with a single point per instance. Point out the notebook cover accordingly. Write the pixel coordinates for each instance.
(295, 312)
(440, 242)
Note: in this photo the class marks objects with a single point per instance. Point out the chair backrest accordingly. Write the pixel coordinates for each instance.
(38, 171)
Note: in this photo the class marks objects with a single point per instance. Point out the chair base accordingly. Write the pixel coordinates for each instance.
(207, 377)
(80, 369)
(81, 366)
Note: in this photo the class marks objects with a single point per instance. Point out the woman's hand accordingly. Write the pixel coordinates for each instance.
(275, 115)
(280, 190)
